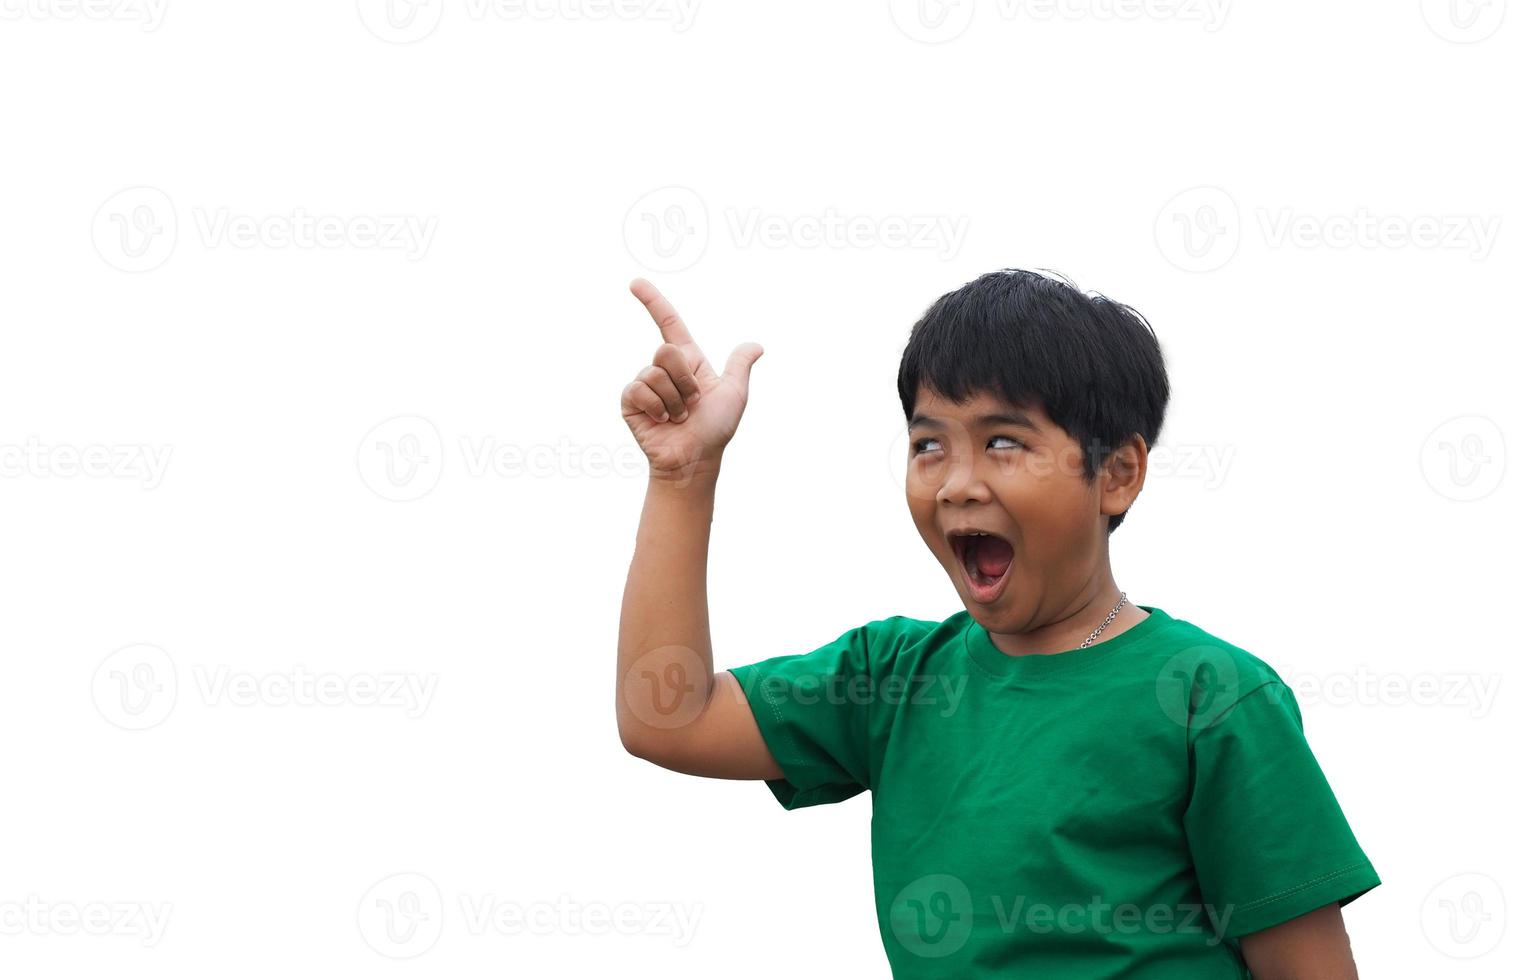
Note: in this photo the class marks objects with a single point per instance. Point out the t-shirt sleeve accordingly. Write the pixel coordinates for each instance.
(809, 710)
(1268, 839)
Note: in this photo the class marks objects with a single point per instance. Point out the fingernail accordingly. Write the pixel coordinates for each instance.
(693, 398)
(681, 416)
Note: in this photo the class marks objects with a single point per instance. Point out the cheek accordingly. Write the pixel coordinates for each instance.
(921, 510)
(1020, 489)
(920, 490)
(924, 516)
(1051, 508)
(1067, 516)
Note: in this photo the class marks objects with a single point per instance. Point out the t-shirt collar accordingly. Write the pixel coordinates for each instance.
(992, 659)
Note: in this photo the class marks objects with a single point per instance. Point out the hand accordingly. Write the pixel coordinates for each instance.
(681, 411)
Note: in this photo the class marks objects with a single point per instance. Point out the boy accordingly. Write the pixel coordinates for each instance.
(1096, 789)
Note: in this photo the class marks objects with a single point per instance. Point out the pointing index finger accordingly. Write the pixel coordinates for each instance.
(662, 312)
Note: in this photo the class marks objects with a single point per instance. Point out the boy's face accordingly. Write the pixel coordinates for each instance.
(985, 465)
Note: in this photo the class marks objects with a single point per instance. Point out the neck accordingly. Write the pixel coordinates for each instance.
(1073, 625)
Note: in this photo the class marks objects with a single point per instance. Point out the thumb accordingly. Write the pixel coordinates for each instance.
(740, 363)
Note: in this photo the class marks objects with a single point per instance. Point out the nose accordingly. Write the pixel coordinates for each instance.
(962, 484)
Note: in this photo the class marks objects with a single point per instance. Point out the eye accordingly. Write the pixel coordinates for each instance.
(1014, 442)
(922, 445)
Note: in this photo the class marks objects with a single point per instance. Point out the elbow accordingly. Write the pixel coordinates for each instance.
(637, 743)
(633, 745)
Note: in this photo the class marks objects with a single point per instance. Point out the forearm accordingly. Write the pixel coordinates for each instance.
(663, 663)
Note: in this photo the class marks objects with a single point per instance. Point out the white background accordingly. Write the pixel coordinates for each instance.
(1333, 501)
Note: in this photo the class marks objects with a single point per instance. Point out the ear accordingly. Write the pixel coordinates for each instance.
(1122, 474)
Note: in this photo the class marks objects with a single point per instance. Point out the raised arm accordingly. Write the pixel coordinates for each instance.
(671, 708)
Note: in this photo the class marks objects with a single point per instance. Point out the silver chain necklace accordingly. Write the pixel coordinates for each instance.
(1121, 602)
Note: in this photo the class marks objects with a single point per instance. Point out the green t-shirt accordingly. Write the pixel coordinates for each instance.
(1128, 809)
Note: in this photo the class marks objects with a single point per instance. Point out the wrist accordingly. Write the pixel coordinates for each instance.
(696, 474)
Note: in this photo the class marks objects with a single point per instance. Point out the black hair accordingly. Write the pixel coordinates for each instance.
(1092, 365)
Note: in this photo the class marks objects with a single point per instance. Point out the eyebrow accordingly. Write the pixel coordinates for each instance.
(983, 421)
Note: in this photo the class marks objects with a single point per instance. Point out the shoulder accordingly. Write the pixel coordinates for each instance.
(1249, 664)
(897, 643)
(1212, 673)
(895, 633)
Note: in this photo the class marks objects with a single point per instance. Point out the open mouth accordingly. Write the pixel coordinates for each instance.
(986, 562)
